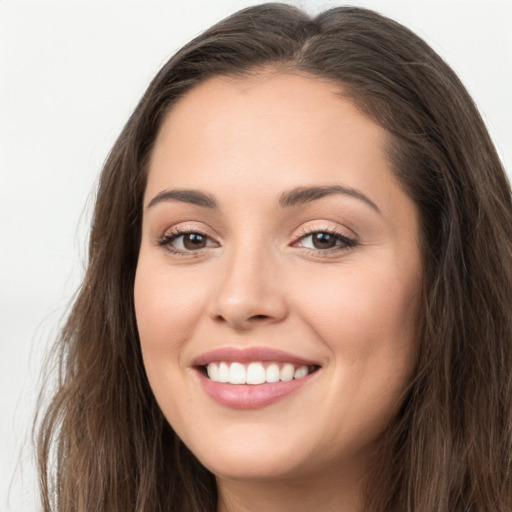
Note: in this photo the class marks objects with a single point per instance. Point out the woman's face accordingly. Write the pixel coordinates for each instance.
(276, 245)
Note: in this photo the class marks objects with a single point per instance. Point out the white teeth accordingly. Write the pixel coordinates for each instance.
(272, 372)
(213, 372)
(300, 372)
(236, 373)
(286, 373)
(223, 372)
(255, 373)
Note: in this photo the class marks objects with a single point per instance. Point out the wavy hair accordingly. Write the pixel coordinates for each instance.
(102, 438)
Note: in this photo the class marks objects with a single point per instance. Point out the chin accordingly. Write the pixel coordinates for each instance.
(256, 468)
(251, 461)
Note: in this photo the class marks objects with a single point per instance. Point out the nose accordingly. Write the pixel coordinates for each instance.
(250, 291)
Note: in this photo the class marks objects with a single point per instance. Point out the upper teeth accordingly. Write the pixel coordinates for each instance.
(254, 373)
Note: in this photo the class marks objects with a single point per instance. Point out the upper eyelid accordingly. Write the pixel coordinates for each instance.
(184, 228)
(345, 239)
(178, 232)
(303, 230)
(336, 230)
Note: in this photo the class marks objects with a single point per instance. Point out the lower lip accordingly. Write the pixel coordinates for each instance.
(249, 396)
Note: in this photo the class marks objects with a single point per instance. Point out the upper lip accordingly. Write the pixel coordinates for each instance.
(250, 354)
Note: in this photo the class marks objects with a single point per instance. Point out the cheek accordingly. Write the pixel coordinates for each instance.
(167, 306)
(361, 301)
(369, 322)
(368, 318)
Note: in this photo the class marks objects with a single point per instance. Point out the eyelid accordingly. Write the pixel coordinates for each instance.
(181, 230)
(343, 243)
(325, 226)
(348, 242)
(185, 226)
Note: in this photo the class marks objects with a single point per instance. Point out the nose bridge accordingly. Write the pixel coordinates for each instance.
(248, 285)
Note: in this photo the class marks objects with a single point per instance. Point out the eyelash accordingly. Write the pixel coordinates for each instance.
(346, 243)
(168, 238)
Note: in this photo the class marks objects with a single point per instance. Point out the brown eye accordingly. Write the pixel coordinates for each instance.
(194, 241)
(181, 242)
(326, 242)
(323, 240)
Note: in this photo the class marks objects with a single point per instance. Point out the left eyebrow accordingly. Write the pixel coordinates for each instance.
(303, 195)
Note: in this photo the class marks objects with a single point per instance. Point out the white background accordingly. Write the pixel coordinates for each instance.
(70, 74)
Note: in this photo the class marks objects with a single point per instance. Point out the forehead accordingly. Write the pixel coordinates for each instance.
(303, 103)
(285, 121)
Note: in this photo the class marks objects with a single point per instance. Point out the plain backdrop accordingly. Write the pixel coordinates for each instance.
(71, 72)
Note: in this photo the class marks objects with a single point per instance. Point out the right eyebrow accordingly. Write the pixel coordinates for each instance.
(185, 196)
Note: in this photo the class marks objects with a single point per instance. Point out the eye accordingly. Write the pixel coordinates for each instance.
(180, 242)
(325, 241)
(320, 241)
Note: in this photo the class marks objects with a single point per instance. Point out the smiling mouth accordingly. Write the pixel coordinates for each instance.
(256, 372)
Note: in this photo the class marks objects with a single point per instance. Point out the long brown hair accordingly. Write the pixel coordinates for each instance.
(103, 443)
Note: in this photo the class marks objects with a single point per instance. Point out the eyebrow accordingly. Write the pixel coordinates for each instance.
(295, 197)
(303, 195)
(185, 196)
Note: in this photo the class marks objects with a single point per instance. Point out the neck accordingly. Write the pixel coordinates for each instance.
(332, 492)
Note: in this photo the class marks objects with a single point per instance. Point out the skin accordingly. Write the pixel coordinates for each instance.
(259, 281)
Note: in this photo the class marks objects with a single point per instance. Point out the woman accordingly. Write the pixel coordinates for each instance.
(299, 285)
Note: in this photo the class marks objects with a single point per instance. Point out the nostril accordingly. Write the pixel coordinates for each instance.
(242, 323)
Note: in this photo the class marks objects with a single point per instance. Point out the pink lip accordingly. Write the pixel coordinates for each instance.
(248, 396)
(249, 354)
